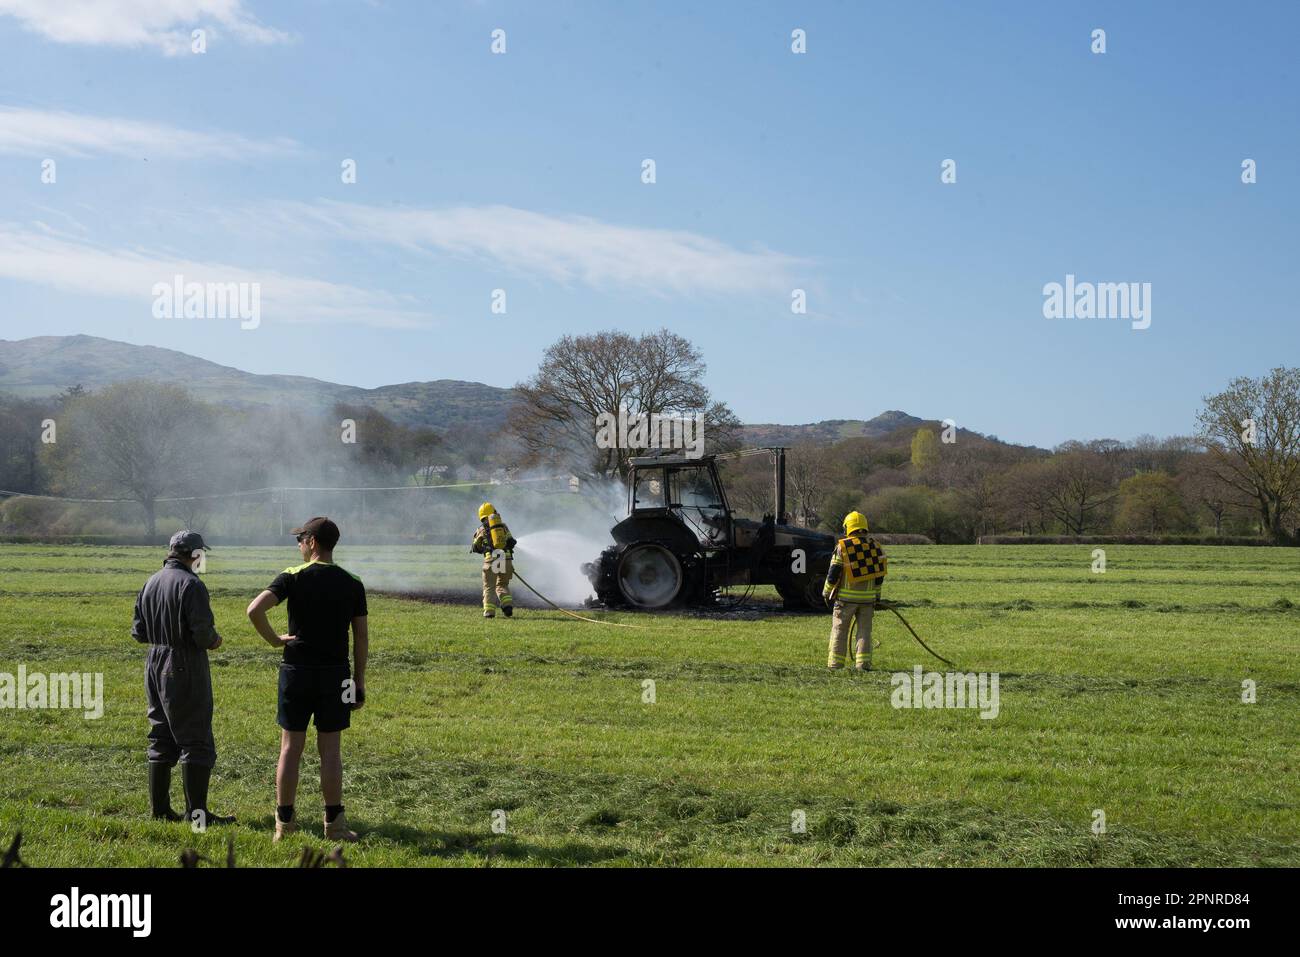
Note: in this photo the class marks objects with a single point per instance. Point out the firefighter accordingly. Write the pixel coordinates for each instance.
(493, 541)
(173, 617)
(853, 581)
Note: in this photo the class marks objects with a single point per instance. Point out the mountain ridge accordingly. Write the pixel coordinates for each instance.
(42, 366)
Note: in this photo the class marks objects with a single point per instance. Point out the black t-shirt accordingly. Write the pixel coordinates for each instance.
(323, 600)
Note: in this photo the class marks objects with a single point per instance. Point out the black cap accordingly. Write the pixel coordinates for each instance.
(186, 542)
(320, 528)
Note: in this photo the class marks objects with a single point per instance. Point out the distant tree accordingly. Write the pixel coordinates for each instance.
(1202, 488)
(916, 509)
(904, 509)
(584, 377)
(1252, 433)
(1147, 453)
(1023, 495)
(387, 449)
(138, 440)
(1079, 485)
(1151, 502)
(807, 482)
(748, 482)
(839, 503)
(20, 444)
(925, 449)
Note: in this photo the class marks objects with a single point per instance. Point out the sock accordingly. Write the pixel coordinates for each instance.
(332, 811)
(284, 813)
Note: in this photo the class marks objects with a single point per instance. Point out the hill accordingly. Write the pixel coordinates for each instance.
(831, 430)
(46, 365)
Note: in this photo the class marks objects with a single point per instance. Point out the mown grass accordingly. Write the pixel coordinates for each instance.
(1120, 692)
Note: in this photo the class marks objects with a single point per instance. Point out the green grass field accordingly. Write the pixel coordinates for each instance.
(1119, 691)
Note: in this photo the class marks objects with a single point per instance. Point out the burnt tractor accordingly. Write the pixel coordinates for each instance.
(681, 545)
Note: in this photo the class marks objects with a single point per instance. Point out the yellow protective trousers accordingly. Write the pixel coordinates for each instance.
(843, 616)
(497, 582)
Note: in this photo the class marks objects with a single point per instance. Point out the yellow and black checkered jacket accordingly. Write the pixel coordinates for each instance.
(858, 568)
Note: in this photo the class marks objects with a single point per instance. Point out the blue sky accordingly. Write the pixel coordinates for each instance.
(775, 171)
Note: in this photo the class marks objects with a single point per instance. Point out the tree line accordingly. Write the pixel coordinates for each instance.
(146, 441)
(1237, 474)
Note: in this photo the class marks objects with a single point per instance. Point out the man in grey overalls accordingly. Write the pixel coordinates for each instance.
(173, 616)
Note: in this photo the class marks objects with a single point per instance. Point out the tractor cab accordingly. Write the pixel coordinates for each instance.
(686, 490)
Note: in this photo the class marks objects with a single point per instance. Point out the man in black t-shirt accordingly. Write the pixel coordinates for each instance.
(315, 679)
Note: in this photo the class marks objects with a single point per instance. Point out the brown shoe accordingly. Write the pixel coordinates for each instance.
(337, 830)
(284, 828)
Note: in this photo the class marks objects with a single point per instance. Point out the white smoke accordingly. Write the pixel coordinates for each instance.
(552, 562)
(551, 557)
(556, 533)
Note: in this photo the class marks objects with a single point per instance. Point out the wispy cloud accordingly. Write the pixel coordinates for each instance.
(51, 259)
(46, 133)
(165, 25)
(562, 248)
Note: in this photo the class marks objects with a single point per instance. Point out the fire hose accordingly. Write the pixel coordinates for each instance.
(890, 606)
(564, 611)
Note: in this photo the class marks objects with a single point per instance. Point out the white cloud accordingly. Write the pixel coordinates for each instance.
(47, 133)
(562, 248)
(51, 259)
(163, 24)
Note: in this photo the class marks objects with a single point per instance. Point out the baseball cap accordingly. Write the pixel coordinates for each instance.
(186, 542)
(320, 528)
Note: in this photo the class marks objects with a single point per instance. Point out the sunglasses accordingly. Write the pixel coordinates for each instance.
(303, 536)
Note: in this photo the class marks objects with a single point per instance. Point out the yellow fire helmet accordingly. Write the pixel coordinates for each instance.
(855, 521)
(486, 509)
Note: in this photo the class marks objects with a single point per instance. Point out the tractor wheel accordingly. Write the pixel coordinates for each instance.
(649, 576)
(805, 591)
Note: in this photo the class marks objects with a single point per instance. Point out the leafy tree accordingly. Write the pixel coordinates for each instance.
(1151, 502)
(1252, 433)
(925, 449)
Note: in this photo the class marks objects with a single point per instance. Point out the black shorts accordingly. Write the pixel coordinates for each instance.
(307, 691)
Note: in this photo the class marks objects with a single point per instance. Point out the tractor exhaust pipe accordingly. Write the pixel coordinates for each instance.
(780, 486)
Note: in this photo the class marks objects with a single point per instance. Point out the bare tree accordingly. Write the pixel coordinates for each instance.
(1252, 433)
(1202, 486)
(1080, 481)
(136, 439)
(1024, 493)
(808, 482)
(584, 377)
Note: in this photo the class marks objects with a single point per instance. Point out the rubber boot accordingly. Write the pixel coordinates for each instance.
(508, 610)
(195, 777)
(160, 798)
